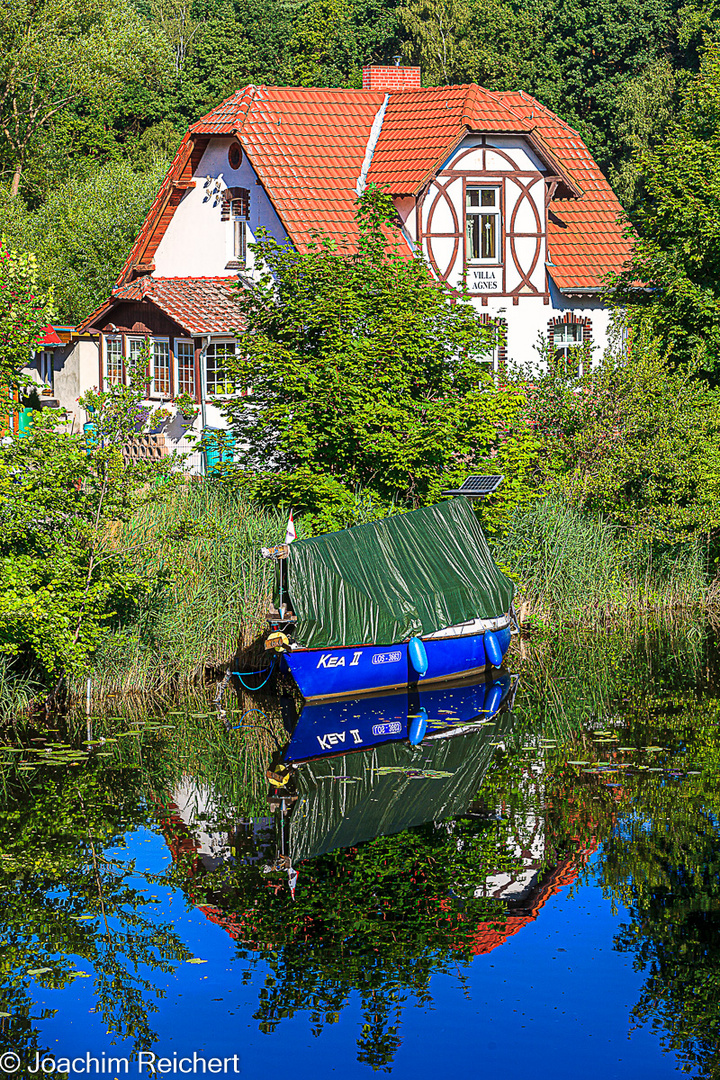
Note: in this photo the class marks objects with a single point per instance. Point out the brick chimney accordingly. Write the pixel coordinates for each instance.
(391, 79)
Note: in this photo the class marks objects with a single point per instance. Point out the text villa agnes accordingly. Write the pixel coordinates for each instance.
(501, 196)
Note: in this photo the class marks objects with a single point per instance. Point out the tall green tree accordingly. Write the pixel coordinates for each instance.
(673, 281)
(84, 230)
(366, 371)
(58, 53)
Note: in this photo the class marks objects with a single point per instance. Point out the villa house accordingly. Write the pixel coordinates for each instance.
(492, 188)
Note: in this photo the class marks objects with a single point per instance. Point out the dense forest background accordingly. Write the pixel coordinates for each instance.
(96, 94)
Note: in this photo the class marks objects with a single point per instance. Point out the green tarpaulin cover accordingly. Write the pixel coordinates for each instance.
(409, 574)
(343, 801)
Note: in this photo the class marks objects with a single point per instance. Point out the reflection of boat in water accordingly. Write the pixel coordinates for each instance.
(412, 598)
(352, 790)
(338, 726)
(337, 799)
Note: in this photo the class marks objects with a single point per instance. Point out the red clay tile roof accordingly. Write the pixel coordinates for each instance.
(309, 146)
(421, 127)
(584, 239)
(198, 305)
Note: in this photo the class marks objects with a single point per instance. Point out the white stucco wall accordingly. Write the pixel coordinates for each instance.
(197, 243)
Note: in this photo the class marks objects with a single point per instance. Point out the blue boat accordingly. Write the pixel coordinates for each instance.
(410, 600)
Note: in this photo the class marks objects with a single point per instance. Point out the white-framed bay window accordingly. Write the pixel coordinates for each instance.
(218, 382)
(158, 364)
(160, 368)
(483, 224)
(113, 374)
(185, 367)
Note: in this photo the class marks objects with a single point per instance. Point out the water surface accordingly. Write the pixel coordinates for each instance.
(532, 889)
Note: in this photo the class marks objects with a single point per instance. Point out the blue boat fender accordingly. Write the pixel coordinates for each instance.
(493, 651)
(418, 655)
(417, 726)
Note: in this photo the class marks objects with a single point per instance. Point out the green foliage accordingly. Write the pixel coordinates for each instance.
(367, 371)
(25, 311)
(196, 546)
(573, 568)
(83, 232)
(78, 51)
(676, 256)
(61, 580)
(16, 692)
(634, 441)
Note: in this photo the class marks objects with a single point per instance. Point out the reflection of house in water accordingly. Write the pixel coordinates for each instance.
(525, 891)
(527, 894)
(190, 829)
(342, 800)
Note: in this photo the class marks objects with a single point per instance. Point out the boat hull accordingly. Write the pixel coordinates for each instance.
(345, 671)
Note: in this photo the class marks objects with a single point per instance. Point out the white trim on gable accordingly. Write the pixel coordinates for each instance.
(371, 144)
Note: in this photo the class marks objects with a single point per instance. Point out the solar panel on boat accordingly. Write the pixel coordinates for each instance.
(476, 487)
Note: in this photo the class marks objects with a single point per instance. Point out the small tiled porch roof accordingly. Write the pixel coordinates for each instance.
(199, 305)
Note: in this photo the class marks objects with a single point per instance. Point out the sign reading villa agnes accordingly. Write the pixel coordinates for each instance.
(484, 281)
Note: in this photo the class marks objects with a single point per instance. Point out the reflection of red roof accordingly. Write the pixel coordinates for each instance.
(490, 935)
(198, 305)
(310, 146)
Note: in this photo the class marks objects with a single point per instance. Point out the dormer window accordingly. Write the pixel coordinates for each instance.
(483, 224)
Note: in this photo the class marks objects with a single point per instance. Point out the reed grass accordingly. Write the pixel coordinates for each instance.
(572, 568)
(198, 549)
(17, 692)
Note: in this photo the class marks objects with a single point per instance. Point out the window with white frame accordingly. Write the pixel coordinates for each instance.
(217, 381)
(113, 365)
(483, 224)
(567, 342)
(185, 367)
(134, 347)
(46, 367)
(160, 368)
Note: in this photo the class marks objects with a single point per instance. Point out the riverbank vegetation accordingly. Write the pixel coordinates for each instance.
(196, 546)
(142, 580)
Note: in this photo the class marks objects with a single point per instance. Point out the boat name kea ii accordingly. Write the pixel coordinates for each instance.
(414, 597)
